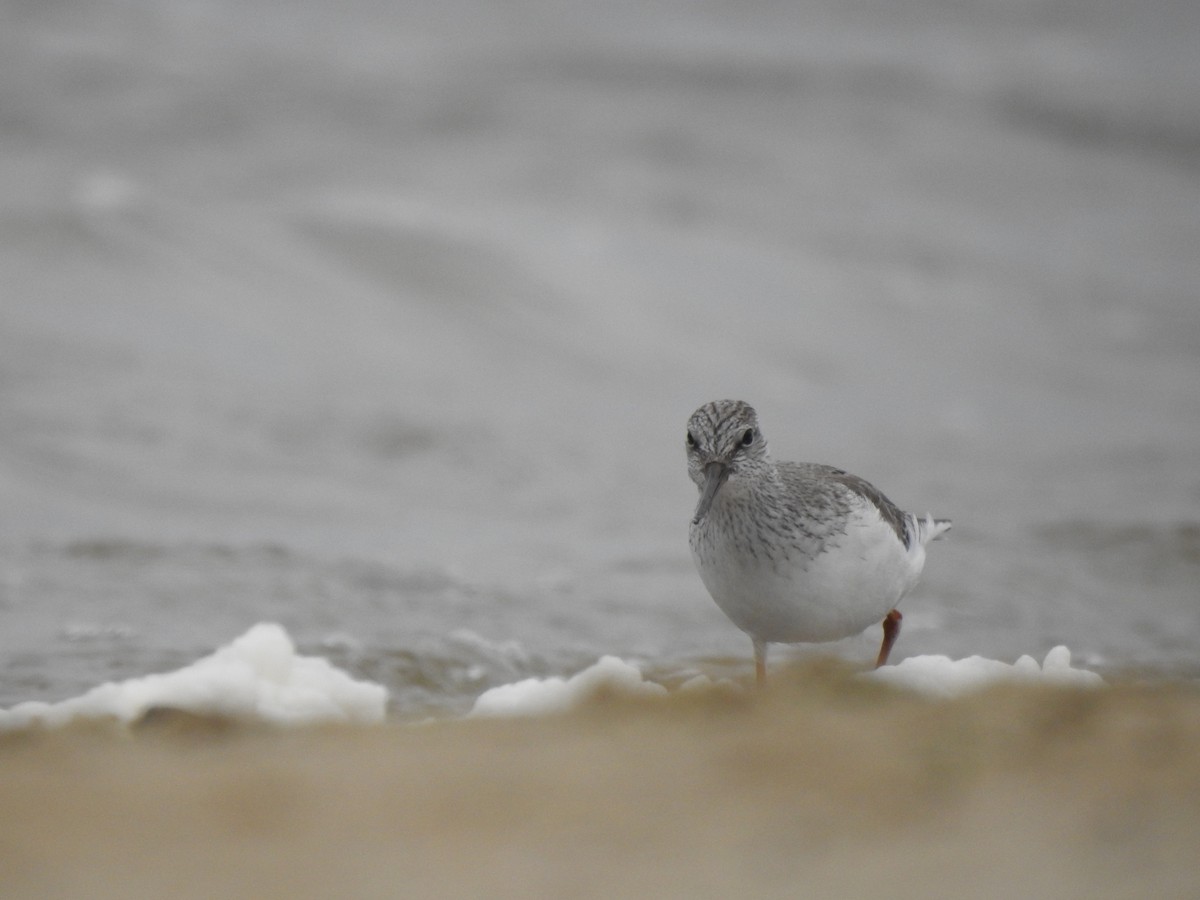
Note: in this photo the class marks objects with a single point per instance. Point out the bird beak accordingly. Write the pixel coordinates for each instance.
(715, 474)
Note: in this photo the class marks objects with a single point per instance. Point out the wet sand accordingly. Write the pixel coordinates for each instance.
(823, 787)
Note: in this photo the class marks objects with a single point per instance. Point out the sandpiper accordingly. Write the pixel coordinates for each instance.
(796, 552)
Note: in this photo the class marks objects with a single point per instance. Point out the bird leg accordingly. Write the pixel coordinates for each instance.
(760, 663)
(891, 631)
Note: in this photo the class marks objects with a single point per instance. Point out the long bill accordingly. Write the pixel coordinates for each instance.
(715, 474)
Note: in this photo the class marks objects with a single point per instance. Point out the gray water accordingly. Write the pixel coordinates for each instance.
(383, 321)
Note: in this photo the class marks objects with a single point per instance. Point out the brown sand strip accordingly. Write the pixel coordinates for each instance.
(824, 787)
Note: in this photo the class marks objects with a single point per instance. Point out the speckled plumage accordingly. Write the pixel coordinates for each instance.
(795, 552)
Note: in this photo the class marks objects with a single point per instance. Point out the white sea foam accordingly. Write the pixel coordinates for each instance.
(940, 676)
(538, 696)
(257, 676)
(936, 676)
(260, 676)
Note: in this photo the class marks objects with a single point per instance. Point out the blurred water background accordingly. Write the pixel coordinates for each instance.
(383, 321)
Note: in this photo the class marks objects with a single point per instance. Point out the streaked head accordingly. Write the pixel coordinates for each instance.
(723, 442)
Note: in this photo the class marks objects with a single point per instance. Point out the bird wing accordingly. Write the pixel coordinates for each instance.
(897, 518)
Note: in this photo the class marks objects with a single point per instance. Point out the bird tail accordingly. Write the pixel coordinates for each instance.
(930, 529)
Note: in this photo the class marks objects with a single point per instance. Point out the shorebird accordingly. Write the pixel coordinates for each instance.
(796, 552)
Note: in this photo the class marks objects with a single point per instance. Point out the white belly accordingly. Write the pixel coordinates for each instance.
(788, 597)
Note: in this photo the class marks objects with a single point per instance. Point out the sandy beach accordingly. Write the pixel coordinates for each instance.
(823, 787)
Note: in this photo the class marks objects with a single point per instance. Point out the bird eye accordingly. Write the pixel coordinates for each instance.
(691, 440)
(748, 437)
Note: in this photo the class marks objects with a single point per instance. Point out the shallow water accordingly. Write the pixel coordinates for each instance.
(384, 322)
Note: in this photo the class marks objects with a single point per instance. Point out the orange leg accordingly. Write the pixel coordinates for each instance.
(891, 631)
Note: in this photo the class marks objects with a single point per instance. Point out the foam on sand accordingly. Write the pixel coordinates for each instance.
(538, 696)
(935, 676)
(257, 676)
(260, 676)
(940, 676)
